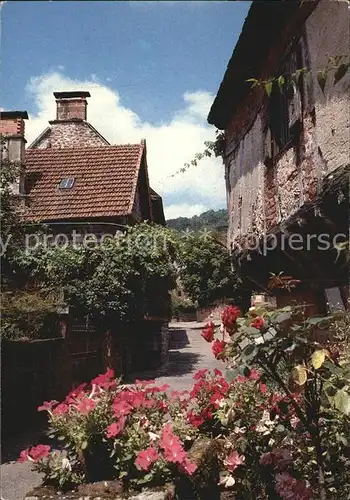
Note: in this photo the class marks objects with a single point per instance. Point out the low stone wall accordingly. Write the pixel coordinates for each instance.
(31, 372)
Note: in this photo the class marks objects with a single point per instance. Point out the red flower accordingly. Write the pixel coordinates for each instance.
(258, 323)
(146, 458)
(61, 409)
(47, 405)
(218, 348)
(85, 406)
(208, 332)
(195, 420)
(229, 317)
(240, 379)
(116, 428)
(75, 393)
(217, 373)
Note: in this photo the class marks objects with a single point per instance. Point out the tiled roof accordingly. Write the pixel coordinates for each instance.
(105, 181)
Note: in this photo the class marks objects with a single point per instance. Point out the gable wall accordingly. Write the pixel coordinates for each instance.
(70, 134)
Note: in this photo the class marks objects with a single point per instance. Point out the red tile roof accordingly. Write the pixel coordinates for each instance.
(105, 181)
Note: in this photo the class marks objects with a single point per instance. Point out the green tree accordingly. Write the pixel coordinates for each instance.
(205, 270)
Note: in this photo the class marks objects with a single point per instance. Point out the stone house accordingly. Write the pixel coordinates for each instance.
(77, 183)
(286, 150)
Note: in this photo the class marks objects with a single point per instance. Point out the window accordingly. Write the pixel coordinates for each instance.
(285, 103)
(67, 183)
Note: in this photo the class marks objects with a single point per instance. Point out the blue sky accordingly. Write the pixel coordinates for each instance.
(150, 55)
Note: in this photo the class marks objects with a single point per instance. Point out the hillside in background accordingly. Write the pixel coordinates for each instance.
(212, 220)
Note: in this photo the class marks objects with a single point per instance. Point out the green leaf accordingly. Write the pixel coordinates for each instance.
(84, 445)
(253, 81)
(281, 317)
(317, 359)
(268, 88)
(299, 375)
(316, 320)
(341, 71)
(322, 79)
(281, 82)
(342, 402)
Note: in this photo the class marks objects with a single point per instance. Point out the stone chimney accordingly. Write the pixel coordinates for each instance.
(13, 142)
(71, 106)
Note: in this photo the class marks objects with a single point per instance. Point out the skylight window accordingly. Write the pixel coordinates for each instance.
(67, 183)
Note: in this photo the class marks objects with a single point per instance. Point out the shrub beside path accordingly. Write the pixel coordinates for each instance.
(188, 353)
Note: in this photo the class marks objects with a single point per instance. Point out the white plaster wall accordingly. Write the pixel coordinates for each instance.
(328, 34)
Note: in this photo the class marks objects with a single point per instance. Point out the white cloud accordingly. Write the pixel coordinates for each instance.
(169, 145)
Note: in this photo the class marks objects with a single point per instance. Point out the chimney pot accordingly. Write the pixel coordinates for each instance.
(71, 106)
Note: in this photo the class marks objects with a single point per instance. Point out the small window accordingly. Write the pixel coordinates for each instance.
(67, 183)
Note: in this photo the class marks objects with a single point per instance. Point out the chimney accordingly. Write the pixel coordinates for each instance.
(13, 142)
(71, 106)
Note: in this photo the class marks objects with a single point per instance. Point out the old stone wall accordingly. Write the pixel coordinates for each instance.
(265, 185)
(328, 34)
(70, 134)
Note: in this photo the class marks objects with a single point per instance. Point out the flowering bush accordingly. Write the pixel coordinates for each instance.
(138, 434)
(295, 410)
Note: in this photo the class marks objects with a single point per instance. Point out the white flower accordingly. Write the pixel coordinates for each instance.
(66, 464)
(152, 436)
(265, 424)
(227, 481)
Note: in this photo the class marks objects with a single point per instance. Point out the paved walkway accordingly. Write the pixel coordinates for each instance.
(188, 353)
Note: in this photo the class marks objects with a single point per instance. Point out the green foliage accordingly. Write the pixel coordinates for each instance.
(121, 279)
(301, 355)
(31, 315)
(181, 305)
(205, 269)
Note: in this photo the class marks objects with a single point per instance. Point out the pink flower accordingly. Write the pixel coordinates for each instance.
(229, 317)
(218, 348)
(254, 375)
(208, 332)
(105, 380)
(171, 444)
(146, 458)
(258, 322)
(61, 409)
(24, 456)
(263, 388)
(217, 373)
(234, 460)
(175, 453)
(200, 374)
(121, 408)
(47, 405)
(71, 397)
(35, 453)
(85, 406)
(116, 428)
(188, 467)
